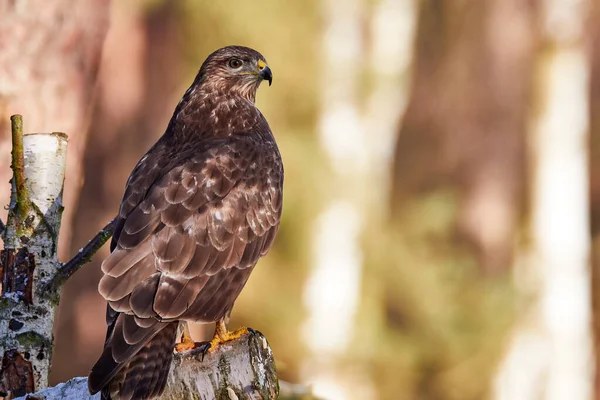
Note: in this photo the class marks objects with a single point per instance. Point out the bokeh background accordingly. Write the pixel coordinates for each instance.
(441, 220)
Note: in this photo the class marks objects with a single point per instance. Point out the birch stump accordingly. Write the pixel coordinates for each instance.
(242, 369)
(29, 259)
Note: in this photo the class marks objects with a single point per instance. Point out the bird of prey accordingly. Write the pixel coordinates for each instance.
(200, 208)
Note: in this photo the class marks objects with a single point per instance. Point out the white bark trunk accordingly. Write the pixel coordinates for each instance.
(550, 355)
(26, 329)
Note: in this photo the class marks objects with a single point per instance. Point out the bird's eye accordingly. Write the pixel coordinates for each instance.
(235, 63)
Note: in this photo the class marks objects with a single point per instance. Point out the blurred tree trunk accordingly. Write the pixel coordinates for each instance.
(594, 182)
(356, 136)
(464, 129)
(49, 57)
(550, 356)
(330, 302)
(138, 89)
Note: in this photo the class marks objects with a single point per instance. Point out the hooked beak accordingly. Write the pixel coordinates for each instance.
(264, 71)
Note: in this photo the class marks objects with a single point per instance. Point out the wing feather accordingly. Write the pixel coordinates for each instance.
(185, 240)
(174, 295)
(120, 260)
(141, 301)
(116, 288)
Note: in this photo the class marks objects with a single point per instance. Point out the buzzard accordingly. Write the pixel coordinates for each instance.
(200, 208)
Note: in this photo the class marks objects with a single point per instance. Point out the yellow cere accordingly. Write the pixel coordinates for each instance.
(261, 65)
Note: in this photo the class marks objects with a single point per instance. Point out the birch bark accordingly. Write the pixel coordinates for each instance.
(29, 259)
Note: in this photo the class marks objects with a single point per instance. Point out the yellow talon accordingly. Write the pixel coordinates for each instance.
(186, 343)
(222, 335)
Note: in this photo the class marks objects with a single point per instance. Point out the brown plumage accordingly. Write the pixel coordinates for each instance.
(199, 210)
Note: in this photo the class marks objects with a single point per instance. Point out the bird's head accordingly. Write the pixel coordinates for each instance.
(236, 70)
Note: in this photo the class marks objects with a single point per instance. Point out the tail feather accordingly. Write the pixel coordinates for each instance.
(142, 375)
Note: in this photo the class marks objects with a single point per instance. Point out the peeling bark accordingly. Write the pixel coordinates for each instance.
(17, 373)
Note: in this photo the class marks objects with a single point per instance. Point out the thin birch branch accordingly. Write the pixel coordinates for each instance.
(52, 288)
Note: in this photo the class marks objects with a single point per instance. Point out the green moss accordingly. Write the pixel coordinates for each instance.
(54, 298)
(32, 340)
(224, 368)
(7, 303)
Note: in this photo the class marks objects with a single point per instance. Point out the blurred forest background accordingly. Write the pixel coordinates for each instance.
(441, 226)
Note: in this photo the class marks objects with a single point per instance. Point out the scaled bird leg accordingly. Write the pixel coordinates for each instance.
(186, 340)
(222, 335)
